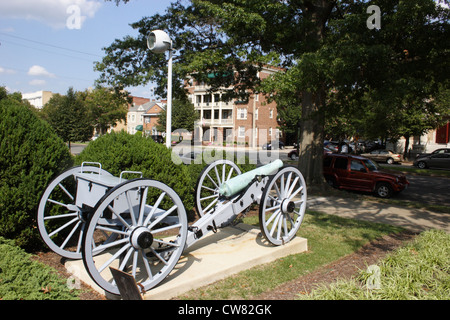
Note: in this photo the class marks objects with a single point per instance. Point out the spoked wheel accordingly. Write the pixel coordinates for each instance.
(60, 221)
(207, 188)
(282, 206)
(150, 222)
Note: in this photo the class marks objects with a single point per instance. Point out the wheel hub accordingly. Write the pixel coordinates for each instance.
(287, 206)
(141, 238)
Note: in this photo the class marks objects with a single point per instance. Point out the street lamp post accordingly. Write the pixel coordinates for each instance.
(159, 42)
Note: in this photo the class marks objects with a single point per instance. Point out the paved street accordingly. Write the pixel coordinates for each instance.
(429, 190)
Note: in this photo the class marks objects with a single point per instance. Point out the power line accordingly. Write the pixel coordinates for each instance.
(50, 45)
(43, 50)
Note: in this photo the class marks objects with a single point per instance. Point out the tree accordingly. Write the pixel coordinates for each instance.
(69, 117)
(325, 47)
(183, 116)
(107, 107)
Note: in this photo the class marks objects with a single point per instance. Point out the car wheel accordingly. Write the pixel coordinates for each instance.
(421, 165)
(383, 190)
(294, 157)
(390, 161)
(331, 181)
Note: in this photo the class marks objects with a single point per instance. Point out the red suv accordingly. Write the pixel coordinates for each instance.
(358, 173)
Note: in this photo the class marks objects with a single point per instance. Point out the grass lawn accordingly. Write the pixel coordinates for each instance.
(329, 238)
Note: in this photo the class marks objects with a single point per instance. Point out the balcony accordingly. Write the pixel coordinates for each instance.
(215, 122)
(214, 105)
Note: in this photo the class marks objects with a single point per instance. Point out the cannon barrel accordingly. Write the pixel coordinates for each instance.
(240, 182)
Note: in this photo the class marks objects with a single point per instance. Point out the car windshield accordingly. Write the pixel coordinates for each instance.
(372, 166)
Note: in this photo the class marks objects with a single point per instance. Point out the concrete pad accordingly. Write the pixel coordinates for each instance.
(212, 258)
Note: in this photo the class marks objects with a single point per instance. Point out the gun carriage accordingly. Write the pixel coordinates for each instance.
(140, 225)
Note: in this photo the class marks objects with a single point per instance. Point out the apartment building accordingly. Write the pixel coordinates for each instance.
(38, 99)
(252, 122)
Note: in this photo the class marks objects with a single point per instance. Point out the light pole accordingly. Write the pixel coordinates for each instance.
(159, 42)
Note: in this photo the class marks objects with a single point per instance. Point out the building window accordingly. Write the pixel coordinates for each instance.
(241, 132)
(207, 114)
(207, 99)
(271, 113)
(256, 114)
(242, 114)
(270, 132)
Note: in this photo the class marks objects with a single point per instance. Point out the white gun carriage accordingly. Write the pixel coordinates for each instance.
(140, 226)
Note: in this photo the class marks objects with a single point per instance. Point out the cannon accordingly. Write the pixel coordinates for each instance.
(140, 226)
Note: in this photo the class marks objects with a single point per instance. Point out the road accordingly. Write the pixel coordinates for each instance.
(425, 189)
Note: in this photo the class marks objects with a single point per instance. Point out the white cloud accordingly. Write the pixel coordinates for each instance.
(37, 82)
(56, 13)
(39, 71)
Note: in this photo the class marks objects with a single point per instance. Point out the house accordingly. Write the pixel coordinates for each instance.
(151, 116)
(252, 122)
(144, 117)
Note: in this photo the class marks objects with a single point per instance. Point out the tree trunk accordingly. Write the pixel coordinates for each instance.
(311, 140)
(313, 103)
(405, 152)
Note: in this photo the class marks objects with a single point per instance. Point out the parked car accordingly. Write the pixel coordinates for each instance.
(436, 160)
(357, 173)
(441, 150)
(383, 155)
(268, 146)
(293, 154)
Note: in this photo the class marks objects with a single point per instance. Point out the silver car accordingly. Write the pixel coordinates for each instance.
(437, 160)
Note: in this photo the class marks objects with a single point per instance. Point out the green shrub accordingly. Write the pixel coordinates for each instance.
(31, 155)
(23, 278)
(121, 151)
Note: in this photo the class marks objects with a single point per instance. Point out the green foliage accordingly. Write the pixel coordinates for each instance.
(69, 116)
(121, 151)
(106, 107)
(417, 271)
(21, 278)
(31, 154)
(183, 116)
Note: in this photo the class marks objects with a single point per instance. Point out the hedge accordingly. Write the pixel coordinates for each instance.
(31, 155)
(121, 151)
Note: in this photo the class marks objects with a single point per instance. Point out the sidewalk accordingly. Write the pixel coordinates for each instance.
(410, 218)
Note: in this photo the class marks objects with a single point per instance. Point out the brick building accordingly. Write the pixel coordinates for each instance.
(252, 122)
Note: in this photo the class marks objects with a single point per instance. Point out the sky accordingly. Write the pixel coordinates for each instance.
(52, 45)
